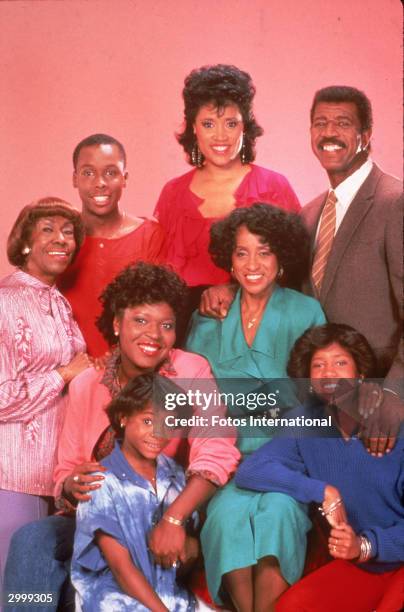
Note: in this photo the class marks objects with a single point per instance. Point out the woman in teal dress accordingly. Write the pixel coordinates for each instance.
(251, 553)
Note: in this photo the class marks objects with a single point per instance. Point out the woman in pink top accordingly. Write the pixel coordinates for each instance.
(41, 350)
(219, 141)
(140, 309)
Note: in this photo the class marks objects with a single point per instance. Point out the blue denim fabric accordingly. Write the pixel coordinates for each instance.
(39, 562)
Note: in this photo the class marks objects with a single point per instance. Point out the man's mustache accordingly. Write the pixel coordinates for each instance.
(332, 141)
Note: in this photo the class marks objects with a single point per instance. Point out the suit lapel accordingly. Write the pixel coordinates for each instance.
(352, 219)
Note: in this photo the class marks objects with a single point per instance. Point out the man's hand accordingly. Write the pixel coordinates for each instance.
(216, 301)
(370, 398)
(379, 428)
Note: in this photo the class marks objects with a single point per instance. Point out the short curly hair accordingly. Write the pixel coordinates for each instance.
(219, 85)
(284, 232)
(138, 393)
(322, 336)
(21, 232)
(344, 93)
(141, 283)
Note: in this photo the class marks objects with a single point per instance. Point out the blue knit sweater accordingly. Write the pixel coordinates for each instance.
(372, 488)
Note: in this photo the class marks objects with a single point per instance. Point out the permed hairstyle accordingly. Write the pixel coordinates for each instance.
(343, 93)
(322, 336)
(219, 85)
(150, 388)
(283, 232)
(142, 283)
(98, 139)
(20, 235)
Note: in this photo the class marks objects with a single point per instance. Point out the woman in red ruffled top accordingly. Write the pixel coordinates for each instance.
(219, 139)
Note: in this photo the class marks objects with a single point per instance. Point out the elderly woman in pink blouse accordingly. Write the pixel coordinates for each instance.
(41, 350)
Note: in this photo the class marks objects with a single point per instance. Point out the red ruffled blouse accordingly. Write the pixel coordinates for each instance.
(187, 231)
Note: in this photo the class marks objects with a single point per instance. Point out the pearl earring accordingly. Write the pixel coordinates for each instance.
(26, 250)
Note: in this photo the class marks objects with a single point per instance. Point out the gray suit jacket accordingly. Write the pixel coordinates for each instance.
(363, 281)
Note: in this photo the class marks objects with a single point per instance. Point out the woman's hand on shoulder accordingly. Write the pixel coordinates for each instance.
(343, 542)
(333, 506)
(78, 364)
(82, 481)
(100, 362)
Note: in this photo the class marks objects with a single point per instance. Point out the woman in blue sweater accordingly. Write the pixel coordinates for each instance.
(361, 495)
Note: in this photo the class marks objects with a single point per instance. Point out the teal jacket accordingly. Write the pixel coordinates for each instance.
(241, 369)
(287, 315)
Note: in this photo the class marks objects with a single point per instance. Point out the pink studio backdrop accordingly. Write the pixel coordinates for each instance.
(72, 68)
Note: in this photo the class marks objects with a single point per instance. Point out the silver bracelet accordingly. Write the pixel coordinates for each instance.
(365, 549)
(333, 506)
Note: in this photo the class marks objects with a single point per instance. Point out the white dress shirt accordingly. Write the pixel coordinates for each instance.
(346, 191)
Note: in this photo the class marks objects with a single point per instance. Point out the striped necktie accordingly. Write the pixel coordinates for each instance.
(324, 240)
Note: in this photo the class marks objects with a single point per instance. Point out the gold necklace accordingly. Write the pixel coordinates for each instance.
(251, 322)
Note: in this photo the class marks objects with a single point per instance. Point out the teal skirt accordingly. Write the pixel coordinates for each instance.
(243, 526)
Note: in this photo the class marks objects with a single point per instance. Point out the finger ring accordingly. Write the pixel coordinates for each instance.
(175, 565)
(334, 548)
(76, 478)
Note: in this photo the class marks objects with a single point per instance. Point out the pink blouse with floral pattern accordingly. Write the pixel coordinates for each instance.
(37, 335)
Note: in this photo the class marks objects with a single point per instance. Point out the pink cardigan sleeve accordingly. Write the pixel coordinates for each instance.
(215, 455)
(85, 420)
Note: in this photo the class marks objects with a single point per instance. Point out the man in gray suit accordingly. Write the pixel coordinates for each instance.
(357, 261)
(358, 275)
